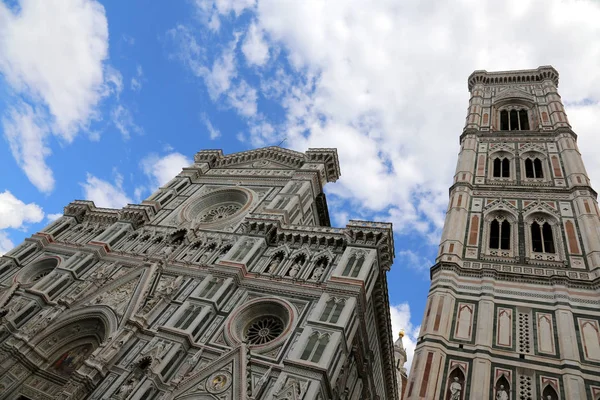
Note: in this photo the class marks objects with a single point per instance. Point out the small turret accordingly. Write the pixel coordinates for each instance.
(400, 357)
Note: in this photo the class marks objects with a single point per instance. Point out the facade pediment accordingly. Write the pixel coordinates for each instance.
(219, 379)
(514, 93)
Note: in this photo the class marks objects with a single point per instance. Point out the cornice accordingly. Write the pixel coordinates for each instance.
(518, 136)
(522, 192)
(548, 276)
(525, 76)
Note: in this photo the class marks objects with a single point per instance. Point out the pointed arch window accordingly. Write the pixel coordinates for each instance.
(501, 167)
(533, 168)
(210, 289)
(514, 120)
(170, 367)
(187, 317)
(315, 347)
(354, 265)
(549, 393)
(500, 234)
(333, 310)
(542, 239)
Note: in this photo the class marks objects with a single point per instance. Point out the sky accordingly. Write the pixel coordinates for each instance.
(107, 100)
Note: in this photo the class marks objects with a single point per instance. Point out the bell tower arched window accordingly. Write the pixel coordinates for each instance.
(533, 168)
(500, 234)
(501, 168)
(542, 240)
(514, 120)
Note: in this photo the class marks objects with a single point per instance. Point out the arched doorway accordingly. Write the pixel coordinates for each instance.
(60, 351)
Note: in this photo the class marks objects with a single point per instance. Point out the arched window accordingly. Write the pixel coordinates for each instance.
(504, 120)
(500, 234)
(169, 368)
(533, 168)
(332, 310)
(515, 120)
(542, 240)
(187, 317)
(523, 120)
(354, 265)
(315, 347)
(210, 289)
(501, 168)
(549, 393)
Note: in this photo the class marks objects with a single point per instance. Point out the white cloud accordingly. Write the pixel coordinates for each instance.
(138, 79)
(53, 217)
(52, 54)
(113, 82)
(5, 243)
(386, 85)
(15, 214)
(161, 170)
(254, 47)
(414, 261)
(212, 131)
(27, 135)
(123, 121)
(53, 50)
(401, 320)
(220, 77)
(105, 194)
(210, 11)
(243, 98)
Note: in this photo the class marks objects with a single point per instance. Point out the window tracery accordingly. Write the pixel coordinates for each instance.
(542, 239)
(533, 168)
(514, 119)
(264, 330)
(354, 264)
(333, 310)
(501, 167)
(499, 234)
(315, 347)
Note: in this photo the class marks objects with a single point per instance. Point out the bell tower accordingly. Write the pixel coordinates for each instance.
(514, 306)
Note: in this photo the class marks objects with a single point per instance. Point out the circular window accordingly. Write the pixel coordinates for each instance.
(36, 271)
(218, 212)
(40, 276)
(264, 330)
(263, 323)
(218, 207)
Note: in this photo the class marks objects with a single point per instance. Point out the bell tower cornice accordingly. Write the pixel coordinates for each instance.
(513, 77)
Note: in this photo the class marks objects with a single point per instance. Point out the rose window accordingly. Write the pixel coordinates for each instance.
(264, 330)
(219, 212)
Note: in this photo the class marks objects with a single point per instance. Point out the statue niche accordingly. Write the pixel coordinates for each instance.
(274, 263)
(502, 389)
(456, 385)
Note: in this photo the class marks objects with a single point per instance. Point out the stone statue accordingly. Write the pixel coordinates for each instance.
(501, 394)
(294, 270)
(272, 266)
(125, 389)
(455, 390)
(166, 251)
(317, 273)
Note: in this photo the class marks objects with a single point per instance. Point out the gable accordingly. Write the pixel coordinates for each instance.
(223, 379)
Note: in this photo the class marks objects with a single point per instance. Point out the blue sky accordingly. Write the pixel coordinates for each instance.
(106, 100)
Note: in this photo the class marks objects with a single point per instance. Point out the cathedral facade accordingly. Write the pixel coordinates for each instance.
(226, 283)
(514, 306)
